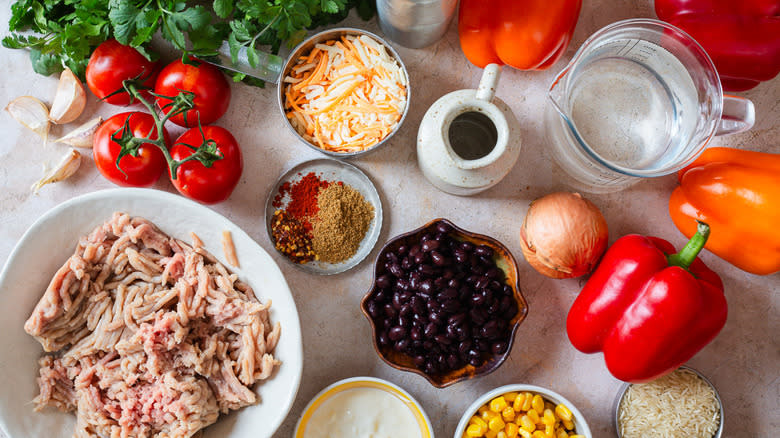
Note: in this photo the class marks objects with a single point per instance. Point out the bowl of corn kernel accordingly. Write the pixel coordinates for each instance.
(522, 411)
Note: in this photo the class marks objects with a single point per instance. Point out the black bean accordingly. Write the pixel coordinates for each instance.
(382, 338)
(430, 330)
(506, 303)
(493, 273)
(426, 286)
(420, 258)
(451, 331)
(494, 307)
(380, 296)
(498, 347)
(461, 256)
(510, 313)
(390, 311)
(383, 281)
(391, 257)
(464, 346)
(430, 245)
(467, 246)
(481, 283)
(407, 263)
(477, 299)
(457, 319)
(451, 306)
(448, 294)
(426, 269)
(419, 360)
(454, 283)
(448, 275)
(372, 308)
(414, 250)
(402, 249)
(436, 317)
(484, 251)
(438, 259)
(476, 268)
(439, 283)
(416, 334)
(443, 227)
(483, 345)
(477, 316)
(488, 294)
(404, 321)
(417, 303)
(496, 286)
(396, 333)
(453, 362)
(486, 262)
(396, 269)
(442, 340)
(402, 345)
(490, 329)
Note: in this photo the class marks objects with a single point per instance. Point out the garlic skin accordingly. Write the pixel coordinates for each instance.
(32, 114)
(563, 235)
(82, 137)
(70, 99)
(68, 166)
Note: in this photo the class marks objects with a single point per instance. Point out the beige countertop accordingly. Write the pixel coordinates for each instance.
(742, 361)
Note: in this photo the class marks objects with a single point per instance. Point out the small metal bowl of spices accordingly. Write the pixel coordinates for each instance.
(324, 216)
(683, 403)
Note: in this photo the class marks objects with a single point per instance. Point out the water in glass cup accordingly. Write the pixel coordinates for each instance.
(634, 104)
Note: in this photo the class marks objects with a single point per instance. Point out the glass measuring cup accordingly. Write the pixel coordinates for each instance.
(640, 98)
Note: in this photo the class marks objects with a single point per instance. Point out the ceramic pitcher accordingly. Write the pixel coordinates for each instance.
(468, 139)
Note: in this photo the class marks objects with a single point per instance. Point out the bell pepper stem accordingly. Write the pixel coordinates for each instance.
(688, 254)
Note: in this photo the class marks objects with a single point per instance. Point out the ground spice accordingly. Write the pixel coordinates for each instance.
(303, 196)
(343, 219)
(292, 238)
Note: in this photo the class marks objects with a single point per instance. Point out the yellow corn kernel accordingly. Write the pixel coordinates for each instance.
(491, 434)
(482, 409)
(538, 404)
(510, 396)
(560, 433)
(524, 433)
(563, 412)
(538, 434)
(549, 431)
(474, 430)
(549, 405)
(511, 430)
(496, 424)
(498, 404)
(487, 415)
(527, 401)
(478, 421)
(534, 416)
(464, 435)
(568, 424)
(517, 404)
(508, 414)
(501, 434)
(576, 436)
(527, 424)
(549, 417)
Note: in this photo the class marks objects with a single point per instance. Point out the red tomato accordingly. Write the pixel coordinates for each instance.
(212, 91)
(213, 184)
(140, 171)
(110, 64)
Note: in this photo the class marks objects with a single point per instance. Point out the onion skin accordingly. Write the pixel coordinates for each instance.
(563, 235)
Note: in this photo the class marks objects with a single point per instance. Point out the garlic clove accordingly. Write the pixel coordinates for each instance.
(70, 100)
(68, 166)
(32, 113)
(82, 136)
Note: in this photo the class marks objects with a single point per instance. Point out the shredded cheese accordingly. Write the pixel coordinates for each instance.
(346, 95)
(680, 404)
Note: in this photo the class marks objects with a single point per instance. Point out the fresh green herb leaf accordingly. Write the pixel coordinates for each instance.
(223, 8)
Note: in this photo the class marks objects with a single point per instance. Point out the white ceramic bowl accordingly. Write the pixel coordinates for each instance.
(580, 425)
(364, 382)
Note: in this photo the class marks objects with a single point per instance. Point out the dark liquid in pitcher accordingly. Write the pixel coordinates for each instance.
(472, 135)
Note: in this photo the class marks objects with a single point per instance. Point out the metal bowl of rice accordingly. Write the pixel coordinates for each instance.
(636, 407)
(329, 138)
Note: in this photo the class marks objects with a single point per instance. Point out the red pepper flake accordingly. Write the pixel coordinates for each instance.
(303, 196)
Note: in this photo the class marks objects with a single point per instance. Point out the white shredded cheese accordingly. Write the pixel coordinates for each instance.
(679, 404)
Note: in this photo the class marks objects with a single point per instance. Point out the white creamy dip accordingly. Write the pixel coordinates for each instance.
(364, 413)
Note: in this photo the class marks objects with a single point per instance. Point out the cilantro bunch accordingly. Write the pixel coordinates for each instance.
(63, 33)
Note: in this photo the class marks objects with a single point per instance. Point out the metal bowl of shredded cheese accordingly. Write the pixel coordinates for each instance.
(344, 92)
(681, 404)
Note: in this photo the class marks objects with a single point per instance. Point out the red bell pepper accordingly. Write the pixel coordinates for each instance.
(741, 36)
(524, 34)
(648, 309)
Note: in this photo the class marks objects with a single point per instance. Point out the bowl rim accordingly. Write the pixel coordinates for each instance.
(518, 294)
(372, 382)
(580, 423)
(624, 387)
(325, 35)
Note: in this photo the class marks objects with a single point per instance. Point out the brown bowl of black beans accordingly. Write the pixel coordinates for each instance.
(445, 303)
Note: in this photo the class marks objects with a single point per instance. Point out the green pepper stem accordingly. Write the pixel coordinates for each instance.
(688, 254)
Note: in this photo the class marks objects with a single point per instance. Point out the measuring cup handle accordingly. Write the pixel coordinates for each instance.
(739, 115)
(489, 82)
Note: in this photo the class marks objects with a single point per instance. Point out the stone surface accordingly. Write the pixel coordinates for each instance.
(741, 361)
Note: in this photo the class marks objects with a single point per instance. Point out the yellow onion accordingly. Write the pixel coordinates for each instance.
(563, 235)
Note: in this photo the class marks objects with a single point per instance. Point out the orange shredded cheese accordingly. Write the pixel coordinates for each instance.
(346, 95)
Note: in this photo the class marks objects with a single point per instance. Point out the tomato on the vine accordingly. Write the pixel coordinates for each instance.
(211, 89)
(136, 171)
(213, 184)
(110, 64)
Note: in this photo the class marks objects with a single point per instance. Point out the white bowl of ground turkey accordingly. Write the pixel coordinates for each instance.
(683, 403)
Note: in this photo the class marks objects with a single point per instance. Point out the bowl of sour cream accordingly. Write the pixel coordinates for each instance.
(363, 406)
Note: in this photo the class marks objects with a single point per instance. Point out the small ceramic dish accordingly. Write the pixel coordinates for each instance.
(420, 418)
(504, 261)
(329, 170)
(580, 425)
(304, 48)
(622, 392)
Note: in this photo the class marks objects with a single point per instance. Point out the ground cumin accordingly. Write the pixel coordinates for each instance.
(341, 223)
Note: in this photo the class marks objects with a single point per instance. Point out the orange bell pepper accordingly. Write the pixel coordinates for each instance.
(737, 193)
(524, 34)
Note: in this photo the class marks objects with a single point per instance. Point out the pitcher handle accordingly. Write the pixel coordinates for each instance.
(739, 115)
(488, 82)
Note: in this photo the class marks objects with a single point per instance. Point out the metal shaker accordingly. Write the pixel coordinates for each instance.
(415, 23)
